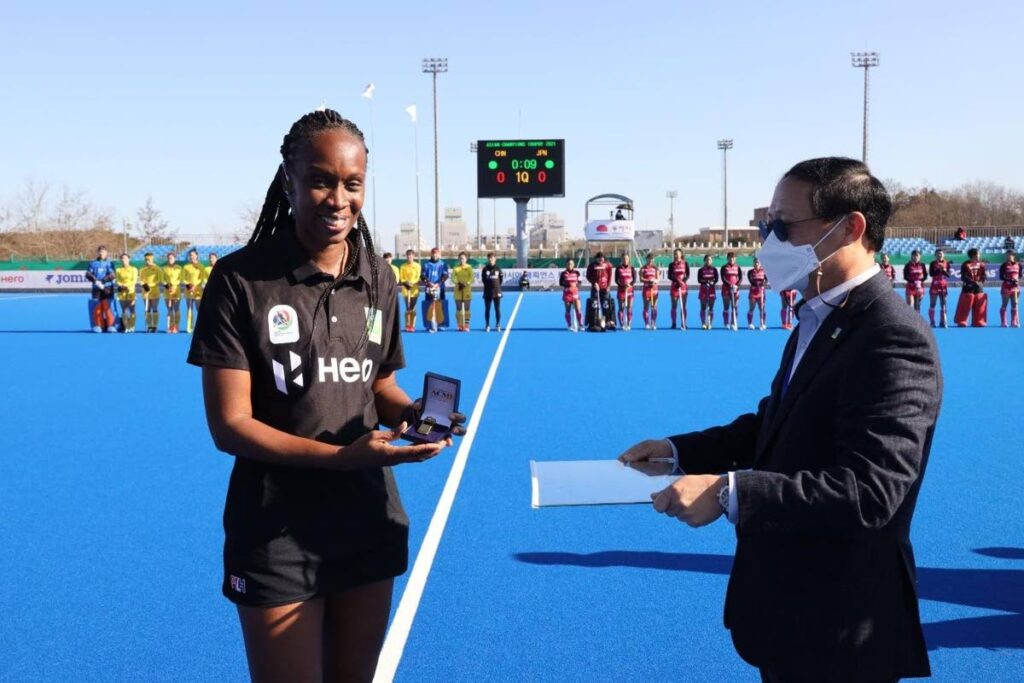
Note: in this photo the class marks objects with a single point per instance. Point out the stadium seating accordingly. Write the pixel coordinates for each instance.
(983, 244)
(905, 245)
(160, 251)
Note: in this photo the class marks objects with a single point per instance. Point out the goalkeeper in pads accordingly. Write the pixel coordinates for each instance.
(101, 274)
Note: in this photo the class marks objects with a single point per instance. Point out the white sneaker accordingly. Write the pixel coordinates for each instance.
(763, 326)
(750, 326)
(487, 329)
(498, 328)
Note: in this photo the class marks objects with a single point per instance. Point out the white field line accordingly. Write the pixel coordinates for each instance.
(398, 633)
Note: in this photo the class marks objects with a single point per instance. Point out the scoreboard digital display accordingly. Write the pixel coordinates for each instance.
(520, 168)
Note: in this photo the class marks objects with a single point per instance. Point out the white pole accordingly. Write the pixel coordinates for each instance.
(373, 178)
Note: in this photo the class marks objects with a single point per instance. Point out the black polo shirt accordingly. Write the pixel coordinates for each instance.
(492, 277)
(313, 381)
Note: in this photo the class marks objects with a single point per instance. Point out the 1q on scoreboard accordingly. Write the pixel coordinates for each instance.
(520, 168)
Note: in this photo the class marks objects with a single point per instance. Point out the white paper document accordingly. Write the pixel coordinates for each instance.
(592, 482)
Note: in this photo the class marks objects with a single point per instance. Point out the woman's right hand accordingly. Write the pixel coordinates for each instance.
(377, 449)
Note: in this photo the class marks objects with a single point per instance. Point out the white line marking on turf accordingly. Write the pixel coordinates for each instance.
(27, 296)
(398, 634)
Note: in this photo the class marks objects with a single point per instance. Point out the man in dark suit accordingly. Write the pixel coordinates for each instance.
(822, 480)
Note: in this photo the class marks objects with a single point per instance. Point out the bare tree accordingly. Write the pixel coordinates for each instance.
(72, 211)
(31, 205)
(977, 204)
(152, 226)
(247, 215)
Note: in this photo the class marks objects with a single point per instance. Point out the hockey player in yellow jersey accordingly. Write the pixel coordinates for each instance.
(462, 276)
(170, 281)
(207, 269)
(126, 276)
(192, 274)
(150, 276)
(409, 284)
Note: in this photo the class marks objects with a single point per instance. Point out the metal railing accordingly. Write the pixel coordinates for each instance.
(939, 235)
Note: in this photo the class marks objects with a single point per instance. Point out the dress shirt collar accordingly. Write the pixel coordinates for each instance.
(829, 297)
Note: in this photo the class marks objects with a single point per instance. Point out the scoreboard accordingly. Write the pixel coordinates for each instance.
(520, 168)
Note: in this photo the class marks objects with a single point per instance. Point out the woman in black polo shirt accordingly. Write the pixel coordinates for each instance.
(299, 341)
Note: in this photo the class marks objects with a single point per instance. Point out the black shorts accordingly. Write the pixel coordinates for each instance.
(289, 568)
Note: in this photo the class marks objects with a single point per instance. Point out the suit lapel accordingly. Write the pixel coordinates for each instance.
(834, 329)
(780, 380)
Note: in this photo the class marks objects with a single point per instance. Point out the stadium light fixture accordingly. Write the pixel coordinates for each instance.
(864, 60)
(725, 145)
(435, 66)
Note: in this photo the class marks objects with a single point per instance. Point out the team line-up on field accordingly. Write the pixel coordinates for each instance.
(170, 280)
(174, 282)
(434, 275)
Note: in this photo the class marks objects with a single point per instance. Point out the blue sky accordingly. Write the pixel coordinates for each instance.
(188, 101)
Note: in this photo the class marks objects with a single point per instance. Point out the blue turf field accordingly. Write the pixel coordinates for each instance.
(111, 495)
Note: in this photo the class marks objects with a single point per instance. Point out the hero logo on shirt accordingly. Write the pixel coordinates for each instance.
(347, 370)
(280, 380)
(283, 324)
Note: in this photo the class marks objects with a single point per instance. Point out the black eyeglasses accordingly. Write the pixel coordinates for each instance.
(779, 227)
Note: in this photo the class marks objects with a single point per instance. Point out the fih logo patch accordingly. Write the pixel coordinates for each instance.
(283, 324)
(237, 584)
(280, 381)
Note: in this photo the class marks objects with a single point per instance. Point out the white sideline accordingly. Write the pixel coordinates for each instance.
(27, 296)
(398, 633)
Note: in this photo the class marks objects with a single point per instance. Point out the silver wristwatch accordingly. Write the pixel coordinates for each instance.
(723, 495)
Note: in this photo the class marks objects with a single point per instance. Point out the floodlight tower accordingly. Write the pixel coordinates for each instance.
(725, 146)
(671, 194)
(864, 60)
(434, 66)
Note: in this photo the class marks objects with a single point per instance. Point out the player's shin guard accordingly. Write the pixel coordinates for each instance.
(979, 310)
(568, 319)
(725, 317)
(1002, 317)
(931, 315)
(750, 317)
(647, 317)
(963, 308)
(1015, 318)
(654, 315)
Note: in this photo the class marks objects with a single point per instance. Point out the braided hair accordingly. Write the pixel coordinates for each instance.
(277, 216)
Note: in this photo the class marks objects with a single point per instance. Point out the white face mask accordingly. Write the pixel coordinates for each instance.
(788, 266)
